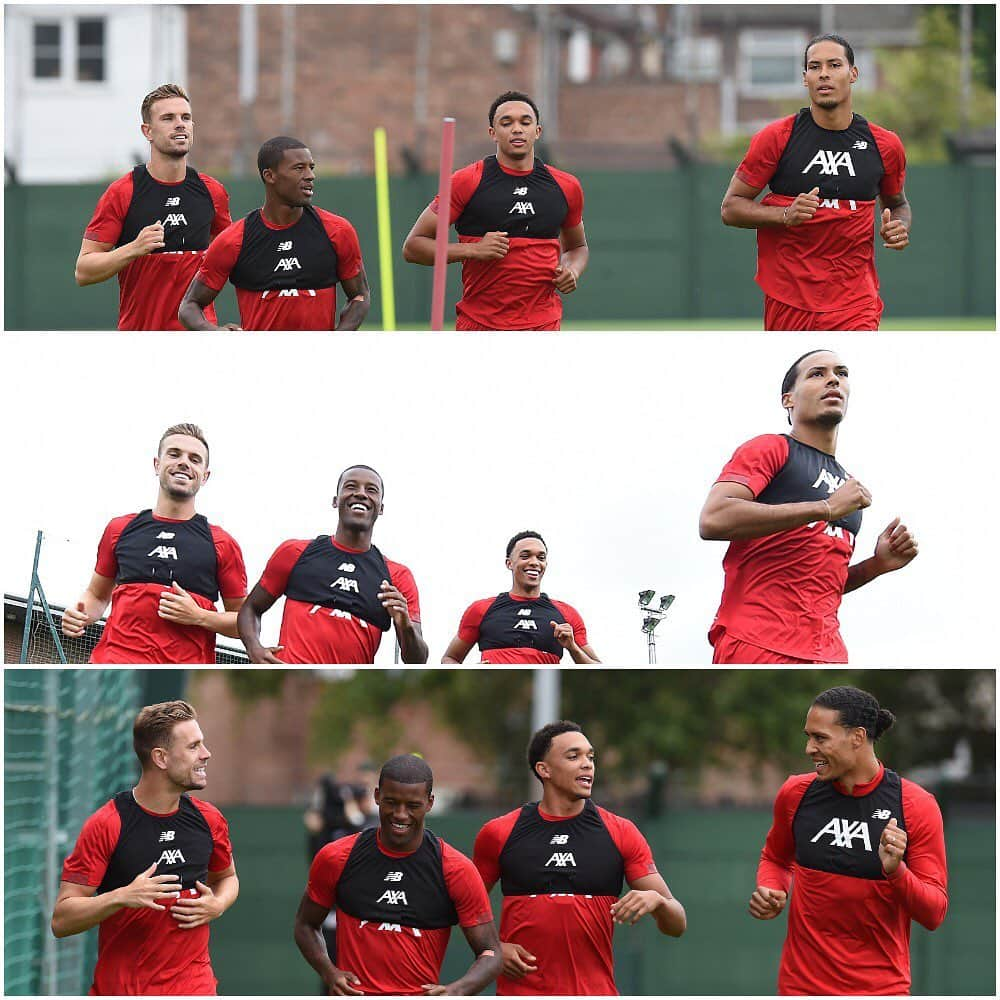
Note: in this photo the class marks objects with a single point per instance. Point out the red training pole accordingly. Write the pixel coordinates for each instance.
(443, 223)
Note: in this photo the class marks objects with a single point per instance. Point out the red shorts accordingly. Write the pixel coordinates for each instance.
(461, 323)
(862, 316)
(731, 650)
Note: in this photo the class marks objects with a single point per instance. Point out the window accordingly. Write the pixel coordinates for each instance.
(90, 48)
(697, 59)
(47, 47)
(70, 49)
(771, 62)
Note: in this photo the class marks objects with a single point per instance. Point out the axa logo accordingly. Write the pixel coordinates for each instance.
(860, 144)
(829, 480)
(393, 877)
(882, 814)
(347, 567)
(830, 162)
(175, 219)
(394, 897)
(342, 583)
(287, 264)
(170, 857)
(844, 833)
(522, 208)
(171, 203)
(285, 247)
(526, 625)
(166, 835)
(520, 192)
(167, 535)
(561, 859)
(560, 838)
(163, 552)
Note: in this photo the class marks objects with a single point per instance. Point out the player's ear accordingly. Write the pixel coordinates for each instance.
(509, 564)
(334, 505)
(158, 756)
(493, 134)
(156, 465)
(430, 801)
(855, 73)
(208, 472)
(377, 795)
(147, 132)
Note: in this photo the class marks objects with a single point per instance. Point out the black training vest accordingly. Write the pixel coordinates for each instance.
(300, 256)
(344, 581)
(180, 844)
(409, 891)
(844, 164)
(530, 206)
(574, 856)
(152, 551)
(809, 475)
(186, 211)
(840, 833)
(510, 624)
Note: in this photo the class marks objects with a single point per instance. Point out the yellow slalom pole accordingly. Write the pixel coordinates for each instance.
(384, 231)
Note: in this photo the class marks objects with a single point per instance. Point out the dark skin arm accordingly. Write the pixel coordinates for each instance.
(412, 648)
(573, 261)
(196, 300)
(741, 209)
(485, 944)
(418, 248)
(248, 624)
(309, 938)
(458, 649)
(359, 301)
(897, 220)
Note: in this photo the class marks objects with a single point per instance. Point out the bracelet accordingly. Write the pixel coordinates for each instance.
(829, 512)
(784, 216)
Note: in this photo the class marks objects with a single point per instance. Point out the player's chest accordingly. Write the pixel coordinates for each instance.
(150, 551)
(520, 624)
(531, 206)
(843, 165)
(300, 256)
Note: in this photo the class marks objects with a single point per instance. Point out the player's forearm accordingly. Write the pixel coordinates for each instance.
(227, 889)
(222, 622)
(577, 259)
(925, 902)
(670, 917)
(192, 316)
(731, 518)
(99, 265)
(77, 914)
(248, 628)
(412, 648)
(745, 213)
(580, 655)
(483, 971)
(861, 573)
(310, 942)
(902, 213)
(354, 313)
(420, 250)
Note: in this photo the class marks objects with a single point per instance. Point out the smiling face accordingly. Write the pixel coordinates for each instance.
(359, 499)
(527, 564)
(515, 130)
(401, 812)
(568, 767)
(171, 127)
(828, 75)
(181, 466)
(291, 181)
(184, 760)
(820, 392)
(835, 750)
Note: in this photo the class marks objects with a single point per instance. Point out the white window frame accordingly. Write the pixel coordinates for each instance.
(789, 43)
(68, 49)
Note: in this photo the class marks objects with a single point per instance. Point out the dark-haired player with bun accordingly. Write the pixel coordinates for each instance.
(340, 592)
(825, 168)
(152, 226)
(153, 867)
(398, 890)
(791, 513)
(561, 863)
(520, 228)
(286, 258)
(522, 625)
(860, 850)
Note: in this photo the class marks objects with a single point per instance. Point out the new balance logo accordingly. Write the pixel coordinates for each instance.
(860, 144)
(522, 208)
(393, 877)
(163, 552)
(346, 567)
(170, 857)
(287, 264)
(342, 583)
(166, 835)
(175, 219)
(284, 247)
(393, 897)
(525, 612)
(520, 192)
(844, 833)
(172, 202)
(882, 814)
(830, 162)
(828, 479)
(560, 838)
(562, 859)
(166, 534)
(526, 625)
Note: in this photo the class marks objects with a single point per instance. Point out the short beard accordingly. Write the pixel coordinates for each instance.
(827, 103)
(829, 419)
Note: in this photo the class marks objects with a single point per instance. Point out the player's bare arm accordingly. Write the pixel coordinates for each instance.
(485, 945)
(78, 907)
(196, 300)
(458, 649)
(359, 301)
(99, 261)
(215, 895)
(179, 607)
(741, 209)
(418, 248)
(895, 548)
(563, 632)
(650, 894)
(92, 604)
(731, 513)
(573, 258)
(897, 219)
(309, 937)
(766, 904)
(248, 625)
(412, 648)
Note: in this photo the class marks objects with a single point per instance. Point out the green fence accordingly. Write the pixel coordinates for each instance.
(658, 249)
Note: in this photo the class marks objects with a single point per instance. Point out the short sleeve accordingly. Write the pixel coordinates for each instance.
(468, 627)
(232, 573)
(106, 224)
(107, 562)
(756, 463)
(636, 853)
(98, 839)
(573, 192)
(893, 155)
(574, 619)
(344, 238)
(221, 257)
(220, 200)
(279, 567)
(222, 848)
(326, 869)
(488, 845)
(465, 887)
(463, 185)
(761, 161)
(402, 579)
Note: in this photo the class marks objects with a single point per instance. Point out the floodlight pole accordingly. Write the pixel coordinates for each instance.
(651, 644)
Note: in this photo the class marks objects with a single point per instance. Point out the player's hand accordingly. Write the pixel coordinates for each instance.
(891, 847)
(435, 990)
(230, 326)
(149, 239)
(895, 547)
(895, 235)
(563, 632)
(179, 607)
(190, 911)
(766, 904)
(802, 209)
(265, 654)
(850, 497)
(517, 961)
(146, 888)
(635, 904)
(565, 279)
(341, 984)
(75, 620)
(393, 601)
(493, 246)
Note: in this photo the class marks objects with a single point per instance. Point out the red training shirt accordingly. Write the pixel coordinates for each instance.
(151, 287)
(134, 632)
(389, 961)
(468, 631)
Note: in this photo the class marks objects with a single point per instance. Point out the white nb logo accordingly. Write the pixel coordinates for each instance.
(560, 838)
(346, 567)
(882, 814)
(860, 144)
(282, 247)
(520, 192)
(172, 202)
(526, 612)
(393, 877)
(166, 534)
(166, 835)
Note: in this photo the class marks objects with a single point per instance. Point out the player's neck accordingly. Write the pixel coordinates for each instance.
(833, 119)
(278, 213)
(862, 773)
(823, 439)
(522, 166)
(555, 803)
(154, 797)
(169, 169)
(176, 510)
(359, 539)
(530, 593)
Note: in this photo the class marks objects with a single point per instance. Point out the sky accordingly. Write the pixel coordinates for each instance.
(605, 443)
